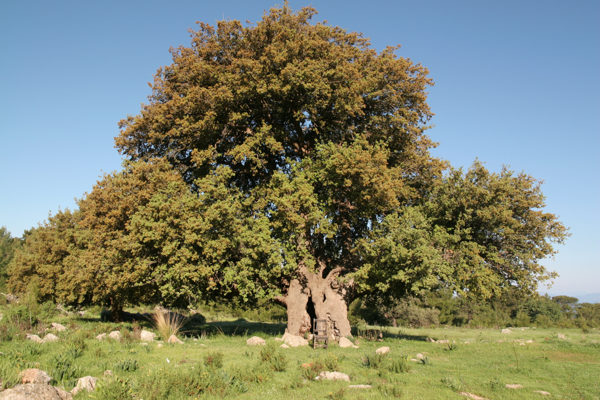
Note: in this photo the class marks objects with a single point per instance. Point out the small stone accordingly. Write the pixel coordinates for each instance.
(256, 341)
(108, 372)
(561, 336)
(472, 396)
(443, 341)
(293, 340)
(333, 376)
(116, 335)
(34, 338)
(101, 336)
(506, 331)
(529, 341)
(58, 327)
(284, 346)
(34, 375)
(542, 392)
(382, 350)
(513, 386)
(159, 345)
(50, 338)
(359, 386)
(345, 342)
(174, 340)
(420, 356)
(87, 383)
(147, 336)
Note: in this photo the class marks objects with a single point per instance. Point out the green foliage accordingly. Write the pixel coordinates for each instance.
(112, 389)
(126, 365)
(63, 369)
(399, 364)
(8, 245)
(214, 360)
(274, 357)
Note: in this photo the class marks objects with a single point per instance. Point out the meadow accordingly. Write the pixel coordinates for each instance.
(215, 362)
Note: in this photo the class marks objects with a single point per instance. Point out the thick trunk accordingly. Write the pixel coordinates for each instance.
(327, 298)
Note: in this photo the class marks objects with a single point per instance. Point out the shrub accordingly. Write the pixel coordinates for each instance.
(126, 365)
(167, 323)
(214, 360)
(373, 360)
(399, 365)
(273, 357)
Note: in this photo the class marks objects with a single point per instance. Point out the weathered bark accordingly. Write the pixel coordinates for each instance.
(327, 297)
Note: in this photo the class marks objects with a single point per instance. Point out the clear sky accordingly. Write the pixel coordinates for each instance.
(517, 83)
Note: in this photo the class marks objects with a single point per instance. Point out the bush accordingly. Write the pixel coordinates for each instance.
(167, 323)
(273, 357)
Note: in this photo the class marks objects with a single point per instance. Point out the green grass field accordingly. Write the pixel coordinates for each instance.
(215, 362)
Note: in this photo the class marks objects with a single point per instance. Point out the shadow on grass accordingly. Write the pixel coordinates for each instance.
(196, 325)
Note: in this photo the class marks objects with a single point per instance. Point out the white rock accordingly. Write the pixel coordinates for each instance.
(359, 386)
(382, 350)
(284, 346)
(443, 341)
(293, 340)
(116, 335)
(101, 336)
(58, 327)
(147, 336)
(174, 340)
(345, 342)
(50, 338)
(159, 345)
(34, 375)
(34, 338)
(561, 336)
(35, 391)
(333, 376)
(255, 341)
(513, 386)
(472, 396)
(87, 383)
(420, 356)
(542, 392)
(506, 331)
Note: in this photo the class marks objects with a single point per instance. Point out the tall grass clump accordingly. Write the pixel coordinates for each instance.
(167, 323)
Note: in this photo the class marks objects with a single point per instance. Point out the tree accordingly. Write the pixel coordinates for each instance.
(311, 135)
(318, 134)
(7, 248)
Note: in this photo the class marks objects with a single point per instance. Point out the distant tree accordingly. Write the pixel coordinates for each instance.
(7, 248)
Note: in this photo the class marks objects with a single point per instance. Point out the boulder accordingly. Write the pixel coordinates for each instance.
(58, 327)
(255, 341)
(506, 331)
(87, 383)
(116, 335)
(174, 340)
(34, 338)
(333, 376)
(382, 350)
(293, 340)
(50, 338)
(101, 336)
(34, 375)
(35, 391)
(345, 342)
(147, 336)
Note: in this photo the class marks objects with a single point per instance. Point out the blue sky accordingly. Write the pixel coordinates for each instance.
(517, 83)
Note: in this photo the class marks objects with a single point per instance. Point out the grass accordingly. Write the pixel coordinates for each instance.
(167, 323)
(215, 362)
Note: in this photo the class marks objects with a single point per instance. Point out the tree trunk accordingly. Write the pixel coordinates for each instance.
(327, 297)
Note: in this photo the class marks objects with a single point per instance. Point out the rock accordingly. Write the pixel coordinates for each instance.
(50, 338)
(159, 345)
(444, 341)
(430, 340)
(561, 336)
(359, 386)
(108, 372)
(147, 336)
(542, 392)
(506, 331)
(87, 383)
(472, 396)
(116, 335)
(284, 346)
(34, 375)
(513, 386)
(345, 342)
(256, 341)
(420, 356)
(35, 391)
(382, 350)
(294, 341)
(174, 340)
(529, 341)
(58, 327)
(333, 376)
(101, 336)
(34, 338)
